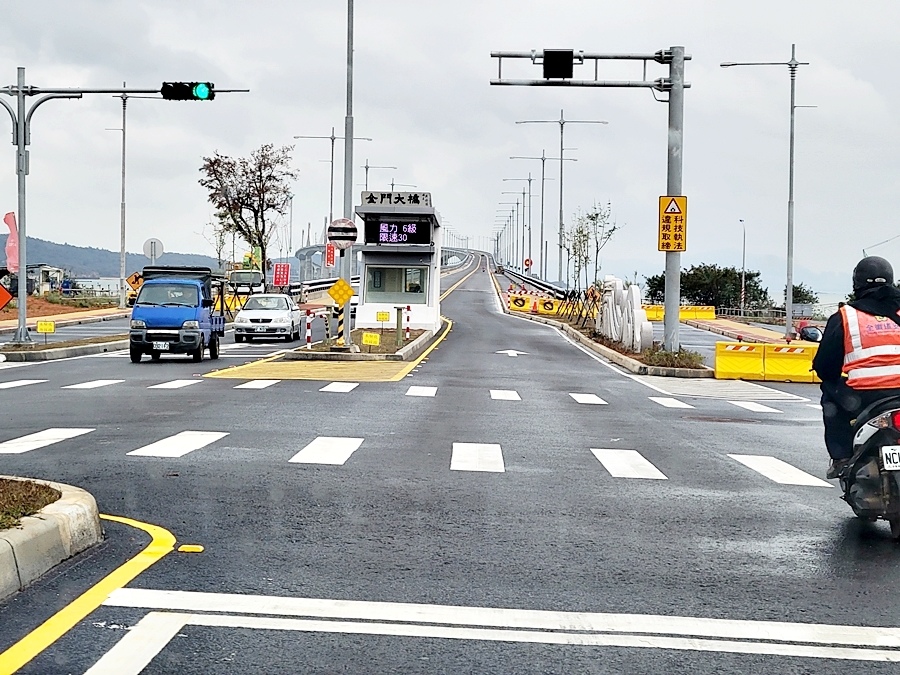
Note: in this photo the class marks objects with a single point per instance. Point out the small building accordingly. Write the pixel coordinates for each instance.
(401, 256)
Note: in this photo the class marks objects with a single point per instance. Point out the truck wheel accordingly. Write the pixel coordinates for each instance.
(198, 353)
(135, 355)
(238, 338)
(214, 348)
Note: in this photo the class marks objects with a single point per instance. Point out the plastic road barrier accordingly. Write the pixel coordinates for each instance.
(790, 363)
(685, 312)
(740, 361)
(519, 303)
(547, 306)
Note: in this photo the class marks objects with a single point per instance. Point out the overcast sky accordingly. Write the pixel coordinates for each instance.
(422, 72)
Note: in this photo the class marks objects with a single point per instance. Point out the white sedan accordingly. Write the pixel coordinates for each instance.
(268, 315)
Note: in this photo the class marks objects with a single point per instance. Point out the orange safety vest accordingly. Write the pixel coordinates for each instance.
(871, 350)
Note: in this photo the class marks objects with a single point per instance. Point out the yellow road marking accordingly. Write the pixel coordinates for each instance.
(190, 548)
(272, 368)
(26, 649)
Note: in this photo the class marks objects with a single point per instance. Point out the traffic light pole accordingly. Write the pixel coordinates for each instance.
(21, 138)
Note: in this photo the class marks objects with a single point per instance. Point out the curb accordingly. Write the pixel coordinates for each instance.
(73, 322)
(57, 532)
(407, 353)
(66, 352)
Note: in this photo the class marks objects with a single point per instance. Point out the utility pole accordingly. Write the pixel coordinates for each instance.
(346, 255)
(367, 166)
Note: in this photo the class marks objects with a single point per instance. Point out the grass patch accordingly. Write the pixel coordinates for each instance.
(82, 302)
(19, 498)
(40, 346)
(657, 356)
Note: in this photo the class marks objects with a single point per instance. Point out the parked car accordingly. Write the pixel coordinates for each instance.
(268, 315)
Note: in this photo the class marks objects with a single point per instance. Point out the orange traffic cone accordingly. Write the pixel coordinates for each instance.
(534, 307)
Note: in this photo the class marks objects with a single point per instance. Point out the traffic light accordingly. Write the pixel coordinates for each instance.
(558, 63)
(188, 91)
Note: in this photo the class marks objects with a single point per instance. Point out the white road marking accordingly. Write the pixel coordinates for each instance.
(778, 471)
(335, 450)
(670, 402)
(93, 384)
(814, 405)
(257, 384)
(627, 464)
(40, 439)
(174, 384)
(588, 399)
(235, 345)
(755, 407)
(505, 395)
(340, 387)
(421, 391)
(180, 444)
(477, 457)
(737, 636)
(19, 383)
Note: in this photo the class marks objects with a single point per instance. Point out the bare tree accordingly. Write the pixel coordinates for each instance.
(216, 233)
(579, 238)
(250, 192)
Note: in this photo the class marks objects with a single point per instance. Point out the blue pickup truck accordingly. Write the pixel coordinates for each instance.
(173, 314)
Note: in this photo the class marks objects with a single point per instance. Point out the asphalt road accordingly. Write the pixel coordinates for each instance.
(76, 332)
(542, 512)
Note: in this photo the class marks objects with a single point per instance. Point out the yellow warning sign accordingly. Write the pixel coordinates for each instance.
(46, 326)
(135, 280)
(371, 339)
(382, 316)
(341, 292)
(672, 223)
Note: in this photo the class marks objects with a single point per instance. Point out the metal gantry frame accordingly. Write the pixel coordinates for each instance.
(21, 138)
(674, 85)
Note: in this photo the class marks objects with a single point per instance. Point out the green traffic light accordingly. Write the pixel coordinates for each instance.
(201, 91)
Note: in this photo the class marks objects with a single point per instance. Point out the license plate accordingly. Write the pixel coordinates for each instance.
(161, 346)
(260, 329)
(890, 457)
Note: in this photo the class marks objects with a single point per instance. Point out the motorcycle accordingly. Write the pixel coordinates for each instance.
(871, 480)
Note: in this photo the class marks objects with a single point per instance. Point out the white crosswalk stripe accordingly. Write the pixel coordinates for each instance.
(93, 384)
(754, 407)
(340, 387)
(477, 457)
(257, 384)
(779, 471)
(627, 464)
(174, 384)
(19, 383)
(334, 450)
(40, 439)
(588, 399)
(421, 391)
(180, 444)
(505, 395)
(670, 402)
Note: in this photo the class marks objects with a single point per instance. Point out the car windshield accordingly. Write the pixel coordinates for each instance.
(266, 302)
(168, 294)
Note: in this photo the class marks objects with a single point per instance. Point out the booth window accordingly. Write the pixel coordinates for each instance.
(400, 285)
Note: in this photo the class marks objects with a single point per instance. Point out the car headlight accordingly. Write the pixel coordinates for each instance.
(241, 319)
(137, 323)
(281, 320)
(191, 325)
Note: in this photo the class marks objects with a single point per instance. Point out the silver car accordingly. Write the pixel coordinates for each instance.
(268, 315)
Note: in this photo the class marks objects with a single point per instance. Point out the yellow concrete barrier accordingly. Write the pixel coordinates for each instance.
(790, 363)
(654, 312)
(547, 306)
(519, 303)
(740, 361)
(685, 312)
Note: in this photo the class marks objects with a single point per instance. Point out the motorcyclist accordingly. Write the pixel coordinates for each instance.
(858, 359)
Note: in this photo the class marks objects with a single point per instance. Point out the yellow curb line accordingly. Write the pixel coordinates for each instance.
(412, 364)
(30, 646)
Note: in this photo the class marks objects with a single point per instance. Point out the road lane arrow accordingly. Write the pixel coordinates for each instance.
(512, 352)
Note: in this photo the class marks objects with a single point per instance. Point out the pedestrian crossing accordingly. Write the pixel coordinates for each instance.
(462, 457)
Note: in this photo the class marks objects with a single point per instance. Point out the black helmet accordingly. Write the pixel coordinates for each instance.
(872, 271)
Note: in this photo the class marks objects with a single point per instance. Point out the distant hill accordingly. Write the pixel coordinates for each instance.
(90, 263)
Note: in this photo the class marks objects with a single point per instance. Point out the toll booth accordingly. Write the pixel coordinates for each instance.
(401, 259)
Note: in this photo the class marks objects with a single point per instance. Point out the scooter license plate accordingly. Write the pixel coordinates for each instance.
(161, 346)
(890, 457)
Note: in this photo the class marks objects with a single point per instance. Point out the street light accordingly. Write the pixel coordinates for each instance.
(562, 121)
(793, 64)
(333, 138)
(367, 166)
(542, 266)
(516, 255)
(528, 205)
(743, 266)
(400, 185)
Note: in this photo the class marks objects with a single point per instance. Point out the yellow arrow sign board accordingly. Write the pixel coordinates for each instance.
(46, 326)
(341, 292)
(371, 339)
(672, 223)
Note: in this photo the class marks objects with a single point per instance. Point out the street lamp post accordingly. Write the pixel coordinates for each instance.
(122, 299)
(792, 65)
(515, 233)
(743, 267)
(368, 166)
(542, 265)
(562, 121)
(529, 209)
(393, 184)
(333, 138)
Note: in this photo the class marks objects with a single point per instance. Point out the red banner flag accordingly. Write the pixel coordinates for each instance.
(12, 243)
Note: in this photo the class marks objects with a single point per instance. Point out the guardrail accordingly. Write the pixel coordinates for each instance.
(544, 286)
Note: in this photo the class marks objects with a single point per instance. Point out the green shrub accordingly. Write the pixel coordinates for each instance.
(685, 358)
